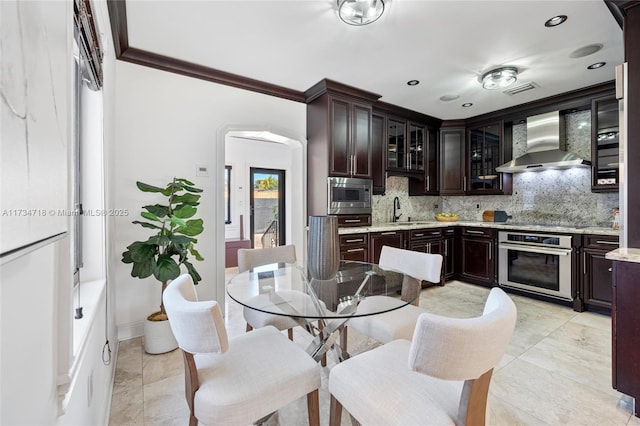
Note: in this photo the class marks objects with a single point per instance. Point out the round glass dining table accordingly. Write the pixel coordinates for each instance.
(288, 290)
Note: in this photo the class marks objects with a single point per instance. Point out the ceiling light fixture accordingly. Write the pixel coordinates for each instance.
(413, 82)
(467, 105)
(596, 65)
(499, 78)
(555, 21)
(360, 12)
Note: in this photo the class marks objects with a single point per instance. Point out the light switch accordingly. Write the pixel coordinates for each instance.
(202, 170)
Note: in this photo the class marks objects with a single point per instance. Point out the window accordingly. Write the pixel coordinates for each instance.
(227, 195)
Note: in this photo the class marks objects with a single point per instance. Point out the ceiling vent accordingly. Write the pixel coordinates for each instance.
(521, 88)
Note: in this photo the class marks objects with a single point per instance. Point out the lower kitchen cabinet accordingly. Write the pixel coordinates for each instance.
(625, 323)
(477, 260)
(448, 253)
(597, 271)
(354, 247)
(389, 238)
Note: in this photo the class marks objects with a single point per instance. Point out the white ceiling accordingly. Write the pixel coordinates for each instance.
(446, 45)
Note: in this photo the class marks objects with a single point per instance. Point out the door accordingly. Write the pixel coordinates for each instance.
(267, 208)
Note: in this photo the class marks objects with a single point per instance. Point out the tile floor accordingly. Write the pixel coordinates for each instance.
(557, 370)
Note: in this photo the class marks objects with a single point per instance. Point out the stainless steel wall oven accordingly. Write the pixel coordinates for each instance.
(537, 263)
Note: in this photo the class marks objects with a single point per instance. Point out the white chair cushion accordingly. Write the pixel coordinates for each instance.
(389, 393)
(397, 324)
(261, 372)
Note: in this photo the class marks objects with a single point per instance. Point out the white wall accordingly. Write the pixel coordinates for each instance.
(166, 125)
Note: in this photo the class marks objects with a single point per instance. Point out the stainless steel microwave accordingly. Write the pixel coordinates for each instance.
(349, 195)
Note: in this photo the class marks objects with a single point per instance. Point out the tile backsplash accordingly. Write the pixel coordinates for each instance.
(561, 197)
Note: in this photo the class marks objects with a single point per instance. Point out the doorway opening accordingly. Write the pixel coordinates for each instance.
(267, 207)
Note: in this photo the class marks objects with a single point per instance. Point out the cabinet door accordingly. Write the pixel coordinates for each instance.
(431, 163)
(477, 260)
(396, 144)
(340, 153)
(597, 279)
(605, 148)
(452, 161)
(354, 247)
(378, 151)
(355, 254)
(448, 257)
(485, 154)
(361, 142)
(379, 239)
(415, 156)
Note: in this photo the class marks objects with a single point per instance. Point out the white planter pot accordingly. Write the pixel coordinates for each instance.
(158, 337)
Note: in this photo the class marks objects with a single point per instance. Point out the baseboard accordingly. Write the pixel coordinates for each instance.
(130, 330)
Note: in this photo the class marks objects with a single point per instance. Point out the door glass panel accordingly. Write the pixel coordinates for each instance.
(396, 145)
(534, 269)
(416, 147)
(267, 208)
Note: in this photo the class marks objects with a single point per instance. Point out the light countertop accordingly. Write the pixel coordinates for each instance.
(399, 226)
(625, 255)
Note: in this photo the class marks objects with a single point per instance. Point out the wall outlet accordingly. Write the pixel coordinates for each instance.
(435, 206)
(478, 206)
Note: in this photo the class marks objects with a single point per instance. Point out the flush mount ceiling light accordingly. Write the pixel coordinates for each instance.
(467, 105)
(499, 78)
(360, 12)
(413, 82)
(555, 21)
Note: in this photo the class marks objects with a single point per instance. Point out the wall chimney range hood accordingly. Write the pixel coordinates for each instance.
(545, 147)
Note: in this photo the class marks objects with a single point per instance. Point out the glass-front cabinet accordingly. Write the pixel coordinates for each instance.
(405, 147)
(485, 154)
(605, 149)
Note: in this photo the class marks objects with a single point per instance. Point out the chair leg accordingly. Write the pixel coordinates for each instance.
(343, 339)
(473, 401)
(323, 362)
(249, 328)
(313, 408)
(290, 334)
(335, 412)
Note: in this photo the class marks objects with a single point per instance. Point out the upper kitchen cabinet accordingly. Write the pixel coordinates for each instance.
(604, 145)
(339, 135)
(405, 147)
(430, 184)
(378, 153)
(485, 153)
(452, 159)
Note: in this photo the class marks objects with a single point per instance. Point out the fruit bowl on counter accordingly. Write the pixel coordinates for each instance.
(447, 217)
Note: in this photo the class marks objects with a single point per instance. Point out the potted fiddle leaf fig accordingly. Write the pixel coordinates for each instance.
(167, 251)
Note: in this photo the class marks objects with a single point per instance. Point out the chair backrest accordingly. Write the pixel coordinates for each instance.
(463, 348)
(197, 326)
(417, 265)
(252, 258)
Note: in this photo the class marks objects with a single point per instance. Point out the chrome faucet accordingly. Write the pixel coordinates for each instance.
(396, 206)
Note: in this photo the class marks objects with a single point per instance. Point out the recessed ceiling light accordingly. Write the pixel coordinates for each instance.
(596, 65)
(467, 105)
(585, 51)
(447, 98)
(413, 82)
(555, 21)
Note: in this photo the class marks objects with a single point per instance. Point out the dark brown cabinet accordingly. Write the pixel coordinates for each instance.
(378, 154)
(597, 277)
(354, 220)
(452, 161)
(605, 151)
(429, 182)
(350, 143)
(388, 238)
(477, 255)
(354, 247)
(485, 153)
(625, 323)
(448, 253)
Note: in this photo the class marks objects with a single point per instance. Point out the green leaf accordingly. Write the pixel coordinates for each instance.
(143, 269)
(158, 240)
(150, 216)
(144, 187)
(166, 269)
(147, 224)
(182, 239)
(157, 209)
(195, 253)
(184, 212)
(183, 180)
(126, 257)
(177, 221)
(192, 189)
(141, 252)
(193, 227)
(186, 199)
(195, 276)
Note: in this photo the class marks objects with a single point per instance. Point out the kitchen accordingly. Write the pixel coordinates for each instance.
(154, 106)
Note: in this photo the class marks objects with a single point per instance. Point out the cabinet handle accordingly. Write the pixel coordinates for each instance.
(352, 220)
(464, 184)
(387, 233)
(608, 242)
(446, 247)
(360, 240)
(355, 250)
(470, 231)
(490, 249)
(429, 248)
(353, 164)
(435, 233)
(428, 183)
(584, 263)
(418, 235)
(610, 270)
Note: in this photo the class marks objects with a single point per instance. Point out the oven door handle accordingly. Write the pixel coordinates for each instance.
(518, 247)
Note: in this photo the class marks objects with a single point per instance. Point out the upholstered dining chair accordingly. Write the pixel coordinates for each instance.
(252, 258)
(398, 323)
(440, 377)
(241, 380)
